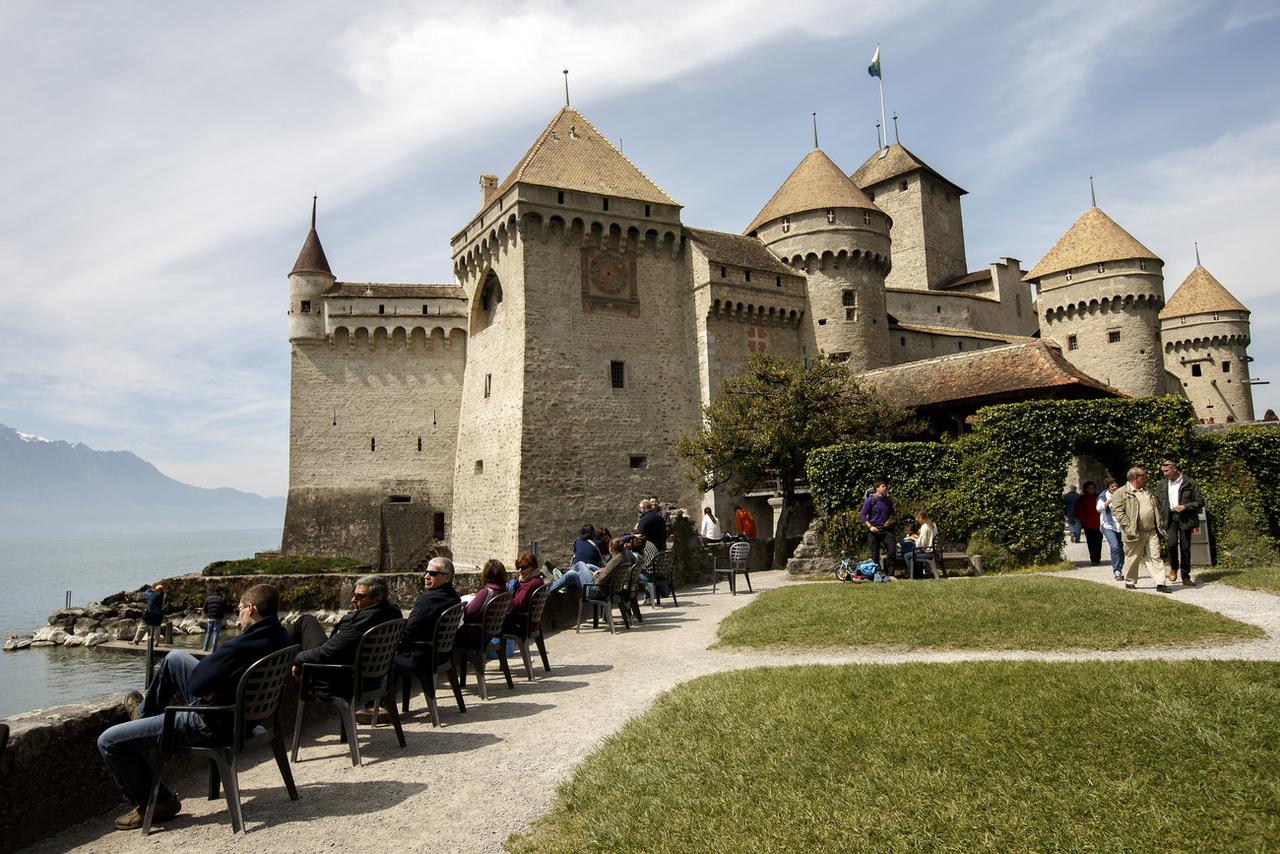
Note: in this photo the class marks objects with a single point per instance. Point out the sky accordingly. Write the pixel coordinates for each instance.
(160, 159)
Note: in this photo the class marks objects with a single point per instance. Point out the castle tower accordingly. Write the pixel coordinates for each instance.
(308, 280)
(1206, 333)
(580, 371)
(1100, 294)
(928, 231)
(821, 223)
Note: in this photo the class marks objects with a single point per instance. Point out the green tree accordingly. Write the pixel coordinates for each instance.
(767, 419)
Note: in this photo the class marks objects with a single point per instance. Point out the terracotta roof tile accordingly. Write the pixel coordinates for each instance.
(1200, 293)
(311, 259)
(815, 184)
(1093, 239)
(994, 372)
(572, 155)
(388, 291)
(738, 250)
(897, 160)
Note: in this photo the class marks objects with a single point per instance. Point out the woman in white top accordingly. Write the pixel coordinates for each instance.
(923, 539)
(1111, 529)
(710, 526)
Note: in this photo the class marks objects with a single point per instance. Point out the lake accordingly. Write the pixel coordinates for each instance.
(37, 572)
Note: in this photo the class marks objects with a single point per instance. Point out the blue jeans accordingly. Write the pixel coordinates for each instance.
(578, 576)
(124, 747)
(212, 632)
(1073, 525)
(1116, 547)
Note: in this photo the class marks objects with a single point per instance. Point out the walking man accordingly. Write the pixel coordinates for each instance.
(1180, 503)
(876, 514)
(1069, 500)
(1141, 526)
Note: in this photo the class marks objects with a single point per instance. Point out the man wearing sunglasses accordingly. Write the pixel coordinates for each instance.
(369, 608)
(437, 597)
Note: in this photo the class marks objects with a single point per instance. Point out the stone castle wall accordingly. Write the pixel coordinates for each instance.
(1218, 347)
(906, 345)
(928, 232)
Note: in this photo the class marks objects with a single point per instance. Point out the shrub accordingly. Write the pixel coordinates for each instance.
(304, 597)
(280, 565)
(995, 557)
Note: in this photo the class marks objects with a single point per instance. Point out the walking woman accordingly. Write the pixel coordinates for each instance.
(1087, 513)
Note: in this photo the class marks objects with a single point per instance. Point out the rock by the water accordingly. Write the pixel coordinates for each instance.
(44, 633)
(74, 640)
(96, 638)
(36, 643)
(86, 625)
(15, 643)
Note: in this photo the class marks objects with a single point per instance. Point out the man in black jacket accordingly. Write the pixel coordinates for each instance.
(1179, 501)
(652, 524)
(438, 597)
(211, 682)
(371, 608)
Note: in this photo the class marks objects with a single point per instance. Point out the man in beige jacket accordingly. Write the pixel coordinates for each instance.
(1141, 527)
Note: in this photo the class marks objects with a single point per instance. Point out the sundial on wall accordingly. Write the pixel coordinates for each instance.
(609, 281)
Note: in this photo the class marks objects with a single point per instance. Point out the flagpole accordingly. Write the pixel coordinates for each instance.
(880, 79)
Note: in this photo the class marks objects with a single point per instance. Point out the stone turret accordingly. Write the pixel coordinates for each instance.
(928, 231)
(820, 223)
(308, 281)
(1206, 333)
(1100, 294)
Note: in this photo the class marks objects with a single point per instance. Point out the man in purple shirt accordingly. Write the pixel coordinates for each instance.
(876, 514)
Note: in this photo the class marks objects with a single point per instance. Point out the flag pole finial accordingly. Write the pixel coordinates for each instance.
(566, 87)
(313, 212)
(1197, 244)
(879, 144)
(1093, 197)
(815, 130)
(895, 128)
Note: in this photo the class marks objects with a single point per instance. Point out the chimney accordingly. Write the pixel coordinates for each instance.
(488, 184)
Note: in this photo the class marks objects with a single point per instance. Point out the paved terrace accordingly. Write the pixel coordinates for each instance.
(492, 771)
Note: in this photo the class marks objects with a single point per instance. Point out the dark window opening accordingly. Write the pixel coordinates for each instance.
(903, 341)
(639, 461)
(306, 306)
(419, 444)
(1102, 268)
(747, 273)
(939, 309)
(1068, 275)
(722, 272)
(426, 309)
(647, 210)
(488, 384)
(1073, 343)
(866, 219)
(1195, 369)
(373, 443)
(606, 203)
(560, 197)
(400, 499)
(902, 186)
(382, 309)
(479, 466)
(777, 281)
(1113, 337)
(618, 374)
(822, 322)
(1142, 264)
(871, 195)
(846, 298)
(1226, 367)
(437, 525)
(959, 345)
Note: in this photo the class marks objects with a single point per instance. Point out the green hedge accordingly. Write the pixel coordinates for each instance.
(1002, 483)
(293, 565)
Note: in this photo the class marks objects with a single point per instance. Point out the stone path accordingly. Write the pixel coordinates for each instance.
(492, 771)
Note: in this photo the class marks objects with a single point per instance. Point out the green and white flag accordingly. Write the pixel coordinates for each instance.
(874, 68)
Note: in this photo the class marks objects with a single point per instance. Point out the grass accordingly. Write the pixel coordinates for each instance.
(1018, 612)
(294, 565)
(1264, 578)
(998, 756)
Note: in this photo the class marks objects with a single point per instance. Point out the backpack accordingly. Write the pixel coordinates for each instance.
(866, 569)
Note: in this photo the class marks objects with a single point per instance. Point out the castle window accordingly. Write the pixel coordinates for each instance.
(426, 309)
(382, 309)
(903, 341)
(479, 469)
(618, 374)
(939, 309)
(306, 306)
(959, 345)
(1113, 336)
(850, 302)
(1068, 275)
(639, 461)
(605, 200)
(1142, 263)
(866, 218)
(747, 274)
(1195, 370)
(1073, 343)
(786, 224)
(486, 310)
(871, 195)
(1102, 268)
(933, 343)
(831, 216)
(1226, 367)
(560, 197)
(373, 443)
(1017, 301)
(1215, 315)
(400, 499)
(437, 525)
(488, 384)
(722, 272)
(777, 281)
(822, 321)
(902, 186)
(647, 210)
(419, 444)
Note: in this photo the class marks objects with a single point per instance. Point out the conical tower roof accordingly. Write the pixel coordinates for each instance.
(887, 163)
(572, 155)
(312, 259)
(1094, 239)
(815, 184)
(1200, 293)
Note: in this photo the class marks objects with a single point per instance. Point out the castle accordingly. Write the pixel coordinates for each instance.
(588, 325)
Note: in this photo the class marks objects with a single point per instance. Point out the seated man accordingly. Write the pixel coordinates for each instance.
(211, 682)
(371, 608)
(438, 596)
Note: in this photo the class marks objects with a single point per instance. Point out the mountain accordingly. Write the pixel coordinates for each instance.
(51, 488)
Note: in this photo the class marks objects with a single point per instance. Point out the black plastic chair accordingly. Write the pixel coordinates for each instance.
(601, 598)
(374, 655)
(738, 554)
(257, 706)
(629, 595)
(436, 655)
(519, 627)
(663, 569)
(489, 627)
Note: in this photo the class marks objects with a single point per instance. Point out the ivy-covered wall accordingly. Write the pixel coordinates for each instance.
(1002, 483)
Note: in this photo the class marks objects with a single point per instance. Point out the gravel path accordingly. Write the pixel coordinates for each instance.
(492, 771)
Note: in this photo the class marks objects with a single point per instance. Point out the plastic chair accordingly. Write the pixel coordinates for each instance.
(257, 706)
(436, 656)
(738, 554)
(601, 598)
(490, 627)
(629, 594)
(662, 569)
(519, 627)
(374, 655)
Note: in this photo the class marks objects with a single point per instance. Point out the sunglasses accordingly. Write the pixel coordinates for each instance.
(435, 573)
(360, 597)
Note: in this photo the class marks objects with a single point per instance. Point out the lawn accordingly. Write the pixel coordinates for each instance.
(994, 756)
(1264, 578)
(1014, 612)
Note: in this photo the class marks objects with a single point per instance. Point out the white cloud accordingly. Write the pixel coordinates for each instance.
(1247, 13)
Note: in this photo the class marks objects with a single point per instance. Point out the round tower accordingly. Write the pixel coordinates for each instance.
(1100, 295)
(1206, 334)
(821, 223)
(308, 281)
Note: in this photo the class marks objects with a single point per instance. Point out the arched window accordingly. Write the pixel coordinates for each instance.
(488, 300)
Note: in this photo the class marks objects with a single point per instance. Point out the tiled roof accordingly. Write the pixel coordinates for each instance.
(994, 372)
(956, 332)
(1093, 239)
(378, 289)
(1200, 293)
(738, 251)
(896, 160)
(815, 184)
(311, 259)
(969, 279)
(572, 155)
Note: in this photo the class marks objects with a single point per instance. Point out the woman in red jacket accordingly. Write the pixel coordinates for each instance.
(529, 580)
(1087, 513)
